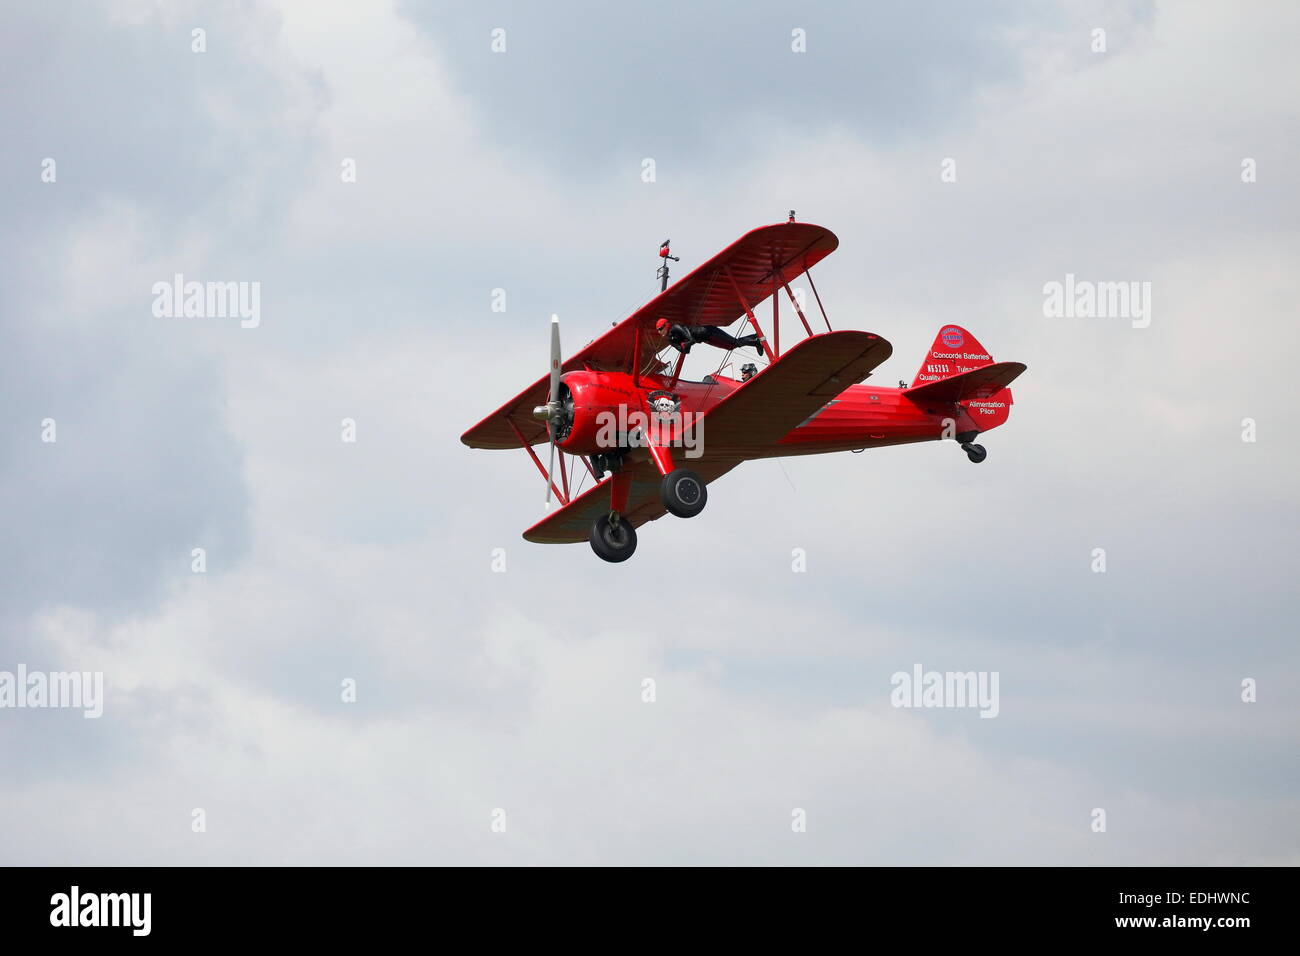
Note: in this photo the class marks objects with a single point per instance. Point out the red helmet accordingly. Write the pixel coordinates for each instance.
(661, 325)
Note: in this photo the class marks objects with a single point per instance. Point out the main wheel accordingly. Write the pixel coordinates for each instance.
(976, 453)
(683, 493)
(613, 541)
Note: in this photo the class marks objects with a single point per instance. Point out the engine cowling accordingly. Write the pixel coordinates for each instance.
(596, 407)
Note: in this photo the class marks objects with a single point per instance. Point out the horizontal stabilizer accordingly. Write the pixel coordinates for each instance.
(979, 383)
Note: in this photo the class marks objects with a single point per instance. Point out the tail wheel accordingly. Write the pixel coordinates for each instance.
(684, 493)
(976, 453)
(613, 539)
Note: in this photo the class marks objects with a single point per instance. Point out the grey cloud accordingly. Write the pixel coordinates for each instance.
(590, 83)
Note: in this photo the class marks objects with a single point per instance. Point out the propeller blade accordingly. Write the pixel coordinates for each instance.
(550, 472)
(552, 402)
(556, 358)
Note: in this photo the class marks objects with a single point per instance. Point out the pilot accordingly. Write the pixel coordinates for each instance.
(682, 337)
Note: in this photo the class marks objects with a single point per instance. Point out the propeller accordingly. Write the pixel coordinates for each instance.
(552, 411)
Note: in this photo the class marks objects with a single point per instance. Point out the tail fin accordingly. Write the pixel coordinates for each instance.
(956, 352)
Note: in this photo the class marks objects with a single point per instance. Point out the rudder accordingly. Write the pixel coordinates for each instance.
(953, 352)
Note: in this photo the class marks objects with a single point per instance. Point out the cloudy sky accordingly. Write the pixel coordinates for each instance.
(372, 561)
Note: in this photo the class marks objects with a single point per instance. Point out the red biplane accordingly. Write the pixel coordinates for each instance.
(652, 442)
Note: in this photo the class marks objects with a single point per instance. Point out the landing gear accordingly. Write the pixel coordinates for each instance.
(974, 452)
(613, 538)
(683, 492)
(607, 462)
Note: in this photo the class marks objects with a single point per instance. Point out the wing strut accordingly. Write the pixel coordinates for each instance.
(564, 499)
(795, 302)
(740, 297)
(808, 273)
(776, 322)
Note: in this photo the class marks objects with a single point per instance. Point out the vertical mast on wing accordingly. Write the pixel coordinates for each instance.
(662, 273)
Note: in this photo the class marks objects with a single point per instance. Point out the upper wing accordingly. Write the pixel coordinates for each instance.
(753, 418)
(975, 384)
(573, 521)
(758, 261)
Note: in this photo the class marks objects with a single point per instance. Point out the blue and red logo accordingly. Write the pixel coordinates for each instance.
(952, 337)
